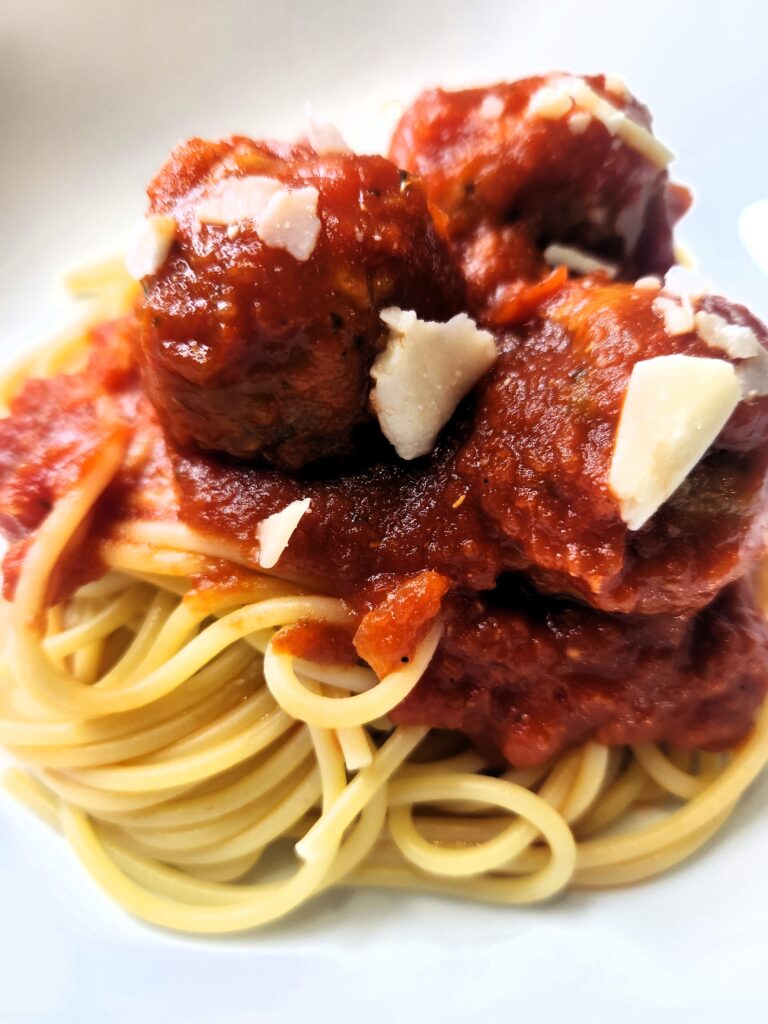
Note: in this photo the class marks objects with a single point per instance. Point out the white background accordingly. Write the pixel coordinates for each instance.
(92, 95)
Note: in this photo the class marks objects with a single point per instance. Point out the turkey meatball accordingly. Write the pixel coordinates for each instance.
(258, 330)
(516, 167)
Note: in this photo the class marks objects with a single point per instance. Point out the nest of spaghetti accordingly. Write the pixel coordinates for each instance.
(403, 528)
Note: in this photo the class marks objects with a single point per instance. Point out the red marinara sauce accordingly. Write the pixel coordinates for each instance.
(55, 431)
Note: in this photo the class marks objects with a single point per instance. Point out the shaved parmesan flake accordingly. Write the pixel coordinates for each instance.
(736, 341)
(616, 121)
(492, 107)
(616, 85)
(237, 199)
(677, 315)
(685, 282)
(579, 121)
(674, 408)
(651, 283)
(753, 375)
(290, 222)
(577, 261)
(150, 246)
(422, 375)
(322, 134)
(684, 255)
(274, 532)
(550, 101)
(283, 217)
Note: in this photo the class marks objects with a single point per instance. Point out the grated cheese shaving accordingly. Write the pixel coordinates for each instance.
(579, 262)
(617, 122)
(579, 121)
(676, 314)
(651, 283)
(290, 222)
(323, 136)
(234, 200)
(685, 282)
(150, 245)
(736, 341)
(492, 107)
(422, 375)
(283, 217)
(550, 101)
(274, 533)
(674, 408)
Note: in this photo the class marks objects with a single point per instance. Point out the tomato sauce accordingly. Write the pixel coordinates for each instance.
(527, 676)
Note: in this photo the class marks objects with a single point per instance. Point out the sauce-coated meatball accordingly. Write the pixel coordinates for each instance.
(506, 181)
(253, 351)
(541, 449)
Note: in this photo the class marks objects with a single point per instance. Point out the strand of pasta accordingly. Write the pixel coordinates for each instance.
(358, 709)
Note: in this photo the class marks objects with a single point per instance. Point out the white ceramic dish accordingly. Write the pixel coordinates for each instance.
(91, 99)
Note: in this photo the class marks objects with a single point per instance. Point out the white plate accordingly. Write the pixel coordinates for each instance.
(92, 97)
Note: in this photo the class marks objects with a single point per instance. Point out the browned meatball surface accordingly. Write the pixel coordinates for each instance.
(539, 456)
(249, 350)
(490, 162)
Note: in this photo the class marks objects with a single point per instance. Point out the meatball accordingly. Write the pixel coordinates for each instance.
(526, 677)
(517, 166)
(540, 452)
(255, 348)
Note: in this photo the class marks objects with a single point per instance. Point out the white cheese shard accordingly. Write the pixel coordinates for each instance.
(150, 245)
(290, 221)
(676, 314)
(685, 282)
(422, 375)
(550, 101)
(616, 121)
(674, 408)
(579, 121)
(579, 262)
(650, 283)
(753, 375)
(322, 134)
(492, 107)
(736, 341)
(617, 86)
(274, 532)
(283, 217)
(234, 200)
